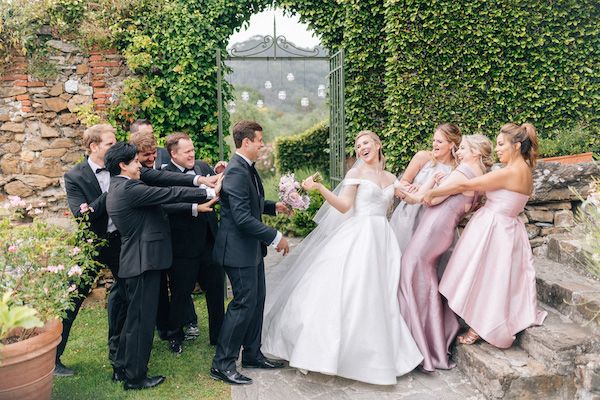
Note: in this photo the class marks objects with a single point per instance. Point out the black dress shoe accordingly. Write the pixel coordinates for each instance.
(146, 383)
(118, 375)
(175, 346)
(61, 370)
(231, 377)
(264, 363)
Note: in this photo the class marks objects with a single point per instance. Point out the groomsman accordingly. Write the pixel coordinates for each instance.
(141, 134)
(240, 246)
(88, 182)
(136, 211)
(193, 232)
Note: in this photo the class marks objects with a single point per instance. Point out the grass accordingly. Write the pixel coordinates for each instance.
(86, 352)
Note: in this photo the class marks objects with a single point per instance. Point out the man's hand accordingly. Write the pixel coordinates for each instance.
(220, 167)
(282, 208)
(219, 184)
(206, 207)
(283, 246)
(209, 181)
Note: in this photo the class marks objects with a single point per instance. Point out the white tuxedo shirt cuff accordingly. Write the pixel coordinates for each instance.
(277, 239)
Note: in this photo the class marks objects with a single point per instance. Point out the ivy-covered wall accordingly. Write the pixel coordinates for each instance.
(409, 64)
(481, 64)
(310, 150)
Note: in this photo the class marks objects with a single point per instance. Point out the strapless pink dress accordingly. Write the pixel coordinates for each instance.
(490, 280)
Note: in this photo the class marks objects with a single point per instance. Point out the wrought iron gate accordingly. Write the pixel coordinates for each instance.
(337, 120)
(277, 47)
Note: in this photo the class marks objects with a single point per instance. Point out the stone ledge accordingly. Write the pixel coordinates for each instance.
(567, 290)
(566, 248)
(558, 342)
(511, 374)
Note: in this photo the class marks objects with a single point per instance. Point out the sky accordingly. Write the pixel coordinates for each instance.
(288, 26)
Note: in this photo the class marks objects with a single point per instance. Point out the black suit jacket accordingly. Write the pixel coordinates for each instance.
(82, 186)
(191, 236)
(136, 210)
(242, 238)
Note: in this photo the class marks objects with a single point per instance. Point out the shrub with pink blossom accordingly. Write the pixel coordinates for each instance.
(41, 265)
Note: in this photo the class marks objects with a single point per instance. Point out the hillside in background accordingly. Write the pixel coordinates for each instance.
(278, 117)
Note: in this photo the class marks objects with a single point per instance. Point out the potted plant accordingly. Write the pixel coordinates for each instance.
(570, 146)
(41, 266)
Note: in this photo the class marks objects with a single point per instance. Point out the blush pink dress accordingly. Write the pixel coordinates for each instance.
(490, 280)
(431, 322)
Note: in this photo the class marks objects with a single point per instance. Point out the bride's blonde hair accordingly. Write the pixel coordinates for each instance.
(377, 140)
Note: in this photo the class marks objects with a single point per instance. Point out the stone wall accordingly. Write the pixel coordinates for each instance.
(40, 132)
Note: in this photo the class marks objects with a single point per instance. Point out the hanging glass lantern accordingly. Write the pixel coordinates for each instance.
(321, 91)
(268, 85)
(245, 96)
(304, 102)
(282, 95)
(259, 103)
(231, 107)
(290, 77)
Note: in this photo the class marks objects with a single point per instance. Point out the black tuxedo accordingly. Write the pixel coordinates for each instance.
(193, 241)
(135, 208)
(82, 186)
(240, 247)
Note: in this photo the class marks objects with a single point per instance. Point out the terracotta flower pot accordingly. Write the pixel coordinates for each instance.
(570, 159)
(27, 367)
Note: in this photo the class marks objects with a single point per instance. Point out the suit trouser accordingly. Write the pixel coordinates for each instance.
(242, 326)
(117, 298)
(211, 278)
(135, 344)
(109, 256)
(182, 278)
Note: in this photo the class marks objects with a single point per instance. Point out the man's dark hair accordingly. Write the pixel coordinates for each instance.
(137, 124)
(245, 129)
(119, 152)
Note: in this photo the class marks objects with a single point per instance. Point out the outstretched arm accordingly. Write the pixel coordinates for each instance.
(487, 182)
(342, 202)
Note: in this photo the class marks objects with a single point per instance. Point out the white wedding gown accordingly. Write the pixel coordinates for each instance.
(341, 315)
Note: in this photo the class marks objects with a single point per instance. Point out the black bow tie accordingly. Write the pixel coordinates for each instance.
(98, 170)
(186, 170)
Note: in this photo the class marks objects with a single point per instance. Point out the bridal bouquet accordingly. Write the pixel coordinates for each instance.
(292, 194)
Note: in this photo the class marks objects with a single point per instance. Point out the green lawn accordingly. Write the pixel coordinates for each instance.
(187, 374)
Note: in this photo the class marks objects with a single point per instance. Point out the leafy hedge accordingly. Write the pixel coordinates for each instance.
(409, 64)
(309, 149)
(481, 64)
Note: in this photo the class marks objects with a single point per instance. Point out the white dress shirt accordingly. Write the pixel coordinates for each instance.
(103, 178)
(210, 192)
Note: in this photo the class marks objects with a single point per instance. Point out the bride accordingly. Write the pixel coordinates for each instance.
(335, 310)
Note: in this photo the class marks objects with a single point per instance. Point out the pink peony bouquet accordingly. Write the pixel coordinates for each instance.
(291, 193)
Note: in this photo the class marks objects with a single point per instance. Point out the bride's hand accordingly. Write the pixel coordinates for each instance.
(410, 198)
(309, 184)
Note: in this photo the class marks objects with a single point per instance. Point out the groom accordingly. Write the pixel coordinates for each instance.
(240, 246)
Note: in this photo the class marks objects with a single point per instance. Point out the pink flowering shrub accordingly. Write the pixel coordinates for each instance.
(41, 265)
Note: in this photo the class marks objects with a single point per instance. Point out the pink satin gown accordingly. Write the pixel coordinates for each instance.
(431, 322)
(490, 280)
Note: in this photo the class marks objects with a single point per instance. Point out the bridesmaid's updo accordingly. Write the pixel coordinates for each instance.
(483, 145)
(452, 134)
(527, 136)
(377, 140)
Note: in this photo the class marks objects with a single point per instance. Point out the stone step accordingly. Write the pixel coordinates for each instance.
(567, 290)
(568, 248)
(558, 342)
(511, 374)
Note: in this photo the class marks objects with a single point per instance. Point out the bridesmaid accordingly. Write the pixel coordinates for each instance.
(432, 324)
(490, 280)
(424, 164)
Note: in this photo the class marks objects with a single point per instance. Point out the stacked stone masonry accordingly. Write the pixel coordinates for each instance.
(40, 132)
